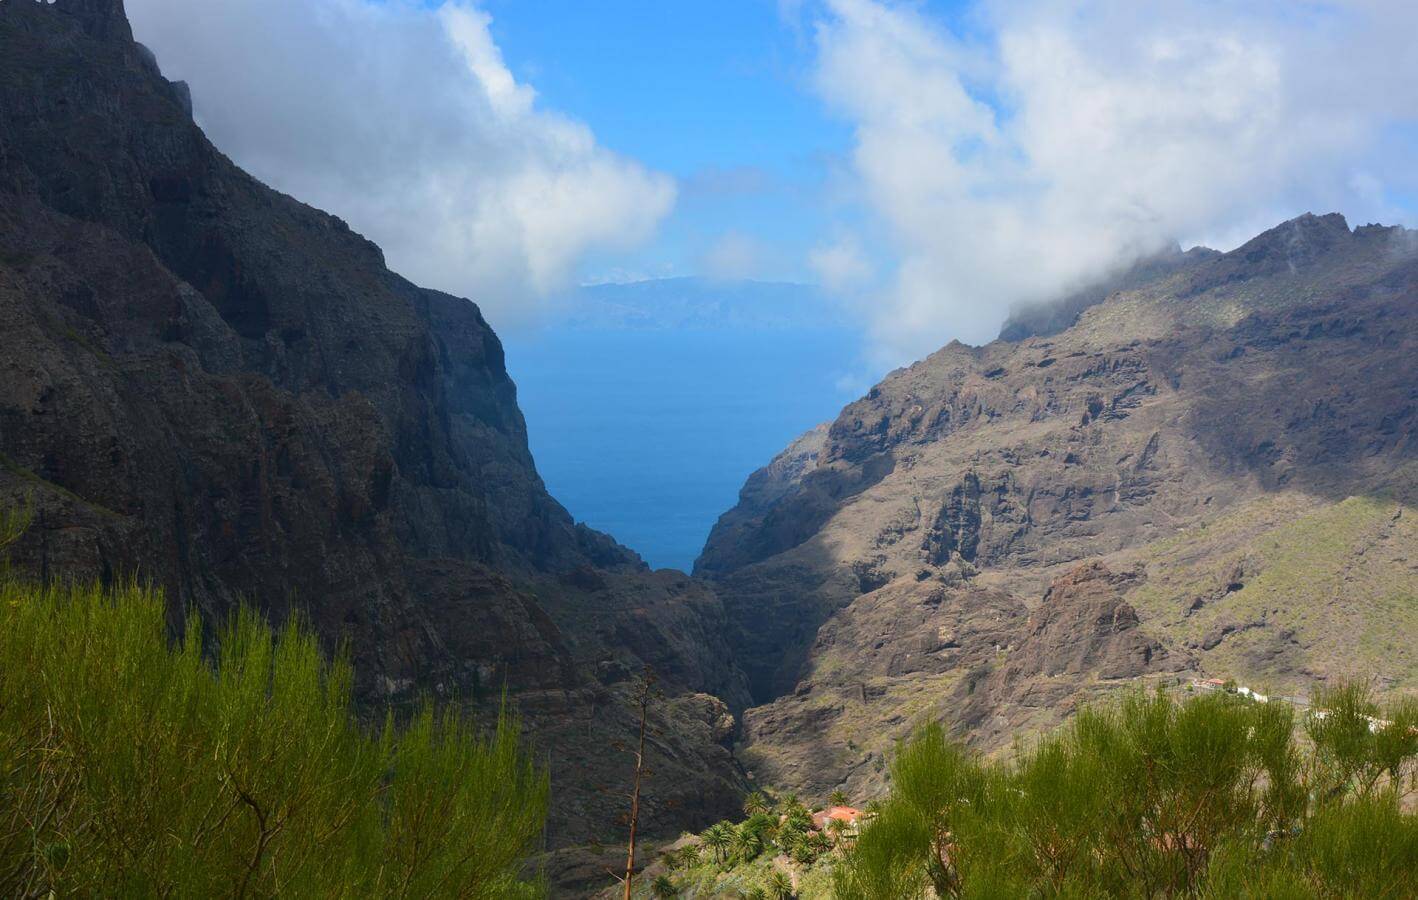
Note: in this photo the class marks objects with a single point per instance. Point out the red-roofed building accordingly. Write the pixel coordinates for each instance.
(846, 814)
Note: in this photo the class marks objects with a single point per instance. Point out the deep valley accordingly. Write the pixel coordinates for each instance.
(1204, 467)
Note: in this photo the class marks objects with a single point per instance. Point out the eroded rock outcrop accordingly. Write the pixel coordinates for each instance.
(1082, 633)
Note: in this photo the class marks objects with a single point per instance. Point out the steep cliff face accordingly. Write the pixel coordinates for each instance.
(1234, 437)
(207, 384)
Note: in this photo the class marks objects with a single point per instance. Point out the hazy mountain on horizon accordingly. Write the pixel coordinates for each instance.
(697, 303)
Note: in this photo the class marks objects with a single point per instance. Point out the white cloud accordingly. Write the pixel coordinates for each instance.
(1074, 136)
(406, 121)
(734, 255)
(841, 266)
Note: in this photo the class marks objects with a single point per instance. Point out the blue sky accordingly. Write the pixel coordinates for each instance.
(716, 94)
(719, 95)
(681, 86)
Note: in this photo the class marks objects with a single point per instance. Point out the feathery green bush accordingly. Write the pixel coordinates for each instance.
(1214, 796)
(133, 765)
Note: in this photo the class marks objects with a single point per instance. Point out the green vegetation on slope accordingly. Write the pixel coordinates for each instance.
(775, 852)
(1328, 581)
(133, 766)
(1213, 796)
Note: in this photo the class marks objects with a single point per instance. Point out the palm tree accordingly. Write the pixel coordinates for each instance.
(755, 893)
(663, 888)
(687, 856)
(804, 852)
(837, 798)
(796, 823)
(780, 886)
(756, 802)
(718, 838)
(748, 843)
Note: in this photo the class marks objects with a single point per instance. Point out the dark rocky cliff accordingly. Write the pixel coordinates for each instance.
(210, 385)
(1208, 467)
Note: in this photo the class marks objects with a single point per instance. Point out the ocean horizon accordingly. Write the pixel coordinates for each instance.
(648, 434)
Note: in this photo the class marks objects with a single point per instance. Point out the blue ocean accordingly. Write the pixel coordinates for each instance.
(648, 433)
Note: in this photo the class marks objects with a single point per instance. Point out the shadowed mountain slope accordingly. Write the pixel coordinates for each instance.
(212, 386)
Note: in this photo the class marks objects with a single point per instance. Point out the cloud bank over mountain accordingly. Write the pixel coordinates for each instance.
(1004, 153)
(1041, 144)
(415, 131)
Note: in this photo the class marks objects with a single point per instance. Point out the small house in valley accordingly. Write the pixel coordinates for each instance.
(849, 817)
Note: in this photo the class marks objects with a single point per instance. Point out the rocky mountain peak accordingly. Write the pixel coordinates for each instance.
(1300, 242)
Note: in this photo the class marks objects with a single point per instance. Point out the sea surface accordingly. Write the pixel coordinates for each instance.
(648, 433)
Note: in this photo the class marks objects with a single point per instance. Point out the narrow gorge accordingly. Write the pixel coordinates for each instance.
(1203, 467)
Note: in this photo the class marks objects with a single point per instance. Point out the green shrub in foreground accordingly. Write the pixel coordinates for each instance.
(132, 766)
(1211, 797)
